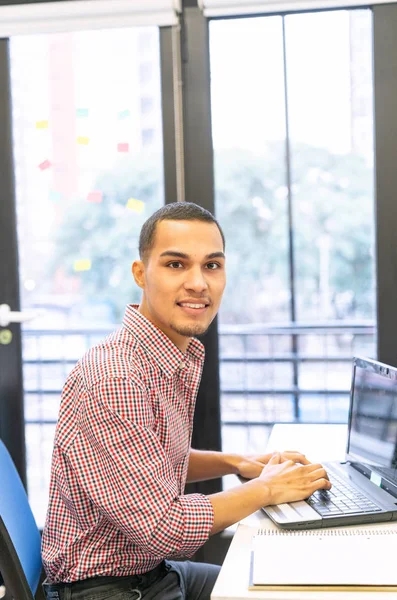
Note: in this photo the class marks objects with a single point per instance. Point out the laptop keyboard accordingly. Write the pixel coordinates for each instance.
(341, 499)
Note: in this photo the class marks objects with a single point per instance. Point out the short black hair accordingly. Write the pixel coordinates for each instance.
(175, 211)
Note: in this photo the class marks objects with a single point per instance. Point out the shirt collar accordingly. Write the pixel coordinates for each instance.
(160, 347)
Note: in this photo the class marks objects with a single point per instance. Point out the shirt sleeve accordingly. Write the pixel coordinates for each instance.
(121, 465)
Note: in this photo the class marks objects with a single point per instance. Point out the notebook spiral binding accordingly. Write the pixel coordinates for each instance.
(327, 532)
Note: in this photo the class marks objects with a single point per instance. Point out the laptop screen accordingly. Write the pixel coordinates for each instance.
(373, 416)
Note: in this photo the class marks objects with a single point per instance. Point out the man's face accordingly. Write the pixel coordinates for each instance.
(183, 278)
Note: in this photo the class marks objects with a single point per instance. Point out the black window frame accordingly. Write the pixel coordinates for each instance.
(199, 188)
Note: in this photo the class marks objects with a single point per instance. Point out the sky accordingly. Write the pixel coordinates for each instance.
(247, 74)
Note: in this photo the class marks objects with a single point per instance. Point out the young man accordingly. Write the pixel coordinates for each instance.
(117, 511)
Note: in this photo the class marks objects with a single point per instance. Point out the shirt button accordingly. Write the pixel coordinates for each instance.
(182, 365)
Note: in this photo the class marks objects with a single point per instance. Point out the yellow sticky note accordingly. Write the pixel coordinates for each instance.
(41, 124)
(84, 264)
(83, 141)
(136, 205)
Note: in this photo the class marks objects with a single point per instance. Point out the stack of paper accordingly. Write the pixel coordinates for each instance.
(336, 559)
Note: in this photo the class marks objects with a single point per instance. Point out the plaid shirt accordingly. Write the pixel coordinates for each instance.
(120, 459)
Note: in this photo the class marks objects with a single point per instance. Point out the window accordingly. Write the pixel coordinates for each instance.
(292, 122)
(145, 72)
(148, 136)
(86, 180)
(146, 105)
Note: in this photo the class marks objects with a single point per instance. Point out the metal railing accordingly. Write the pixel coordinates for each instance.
(266, 381)
(262, 382)
(262, 379)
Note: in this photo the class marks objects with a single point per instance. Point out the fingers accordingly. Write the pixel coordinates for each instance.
(319, 479)
(320, 484)
(319, 473)
(297, 457)
(317, 469)
(293, 455)
(263, 458)
(275, 459)
(313, 477)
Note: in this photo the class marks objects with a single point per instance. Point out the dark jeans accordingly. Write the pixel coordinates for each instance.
(169, 581)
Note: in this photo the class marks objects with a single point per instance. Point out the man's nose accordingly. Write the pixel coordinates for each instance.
(195, 280)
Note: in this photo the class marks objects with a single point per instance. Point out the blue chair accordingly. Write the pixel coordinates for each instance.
(20, 557)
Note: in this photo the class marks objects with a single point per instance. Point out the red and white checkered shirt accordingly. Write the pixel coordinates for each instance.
(121, 452)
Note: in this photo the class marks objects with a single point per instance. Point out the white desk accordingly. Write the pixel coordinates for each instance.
(232, 583)
(318, 442)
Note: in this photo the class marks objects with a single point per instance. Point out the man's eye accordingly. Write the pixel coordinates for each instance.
(212, 266)
(175, 264)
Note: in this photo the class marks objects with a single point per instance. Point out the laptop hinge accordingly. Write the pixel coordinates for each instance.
(381, 482)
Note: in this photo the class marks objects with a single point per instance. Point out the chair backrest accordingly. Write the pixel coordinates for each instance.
(20, 557)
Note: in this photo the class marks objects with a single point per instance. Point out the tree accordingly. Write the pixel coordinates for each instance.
(332, 199)
(107, 232)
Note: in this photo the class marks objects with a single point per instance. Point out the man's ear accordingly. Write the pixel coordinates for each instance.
(138, 272)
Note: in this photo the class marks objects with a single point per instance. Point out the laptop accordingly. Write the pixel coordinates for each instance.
(364, 485)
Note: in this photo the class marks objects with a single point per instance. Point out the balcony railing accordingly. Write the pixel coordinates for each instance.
(263, 381)
(262, 378)
(289, 372)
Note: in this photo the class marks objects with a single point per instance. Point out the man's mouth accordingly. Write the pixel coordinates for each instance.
(194, 308)
(193, 305)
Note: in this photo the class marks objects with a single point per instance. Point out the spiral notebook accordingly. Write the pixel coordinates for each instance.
(330, 559)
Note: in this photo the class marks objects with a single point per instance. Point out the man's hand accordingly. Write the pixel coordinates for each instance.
(252, 466)
(274, 479)
(288, 481)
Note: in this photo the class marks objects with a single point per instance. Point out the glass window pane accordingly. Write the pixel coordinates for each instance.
(331, 128)
(248, 115)
(88, 168)
(289, 325)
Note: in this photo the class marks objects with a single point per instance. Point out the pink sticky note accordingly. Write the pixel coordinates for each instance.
(44, 165)
(95, 196)
(123, 147)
